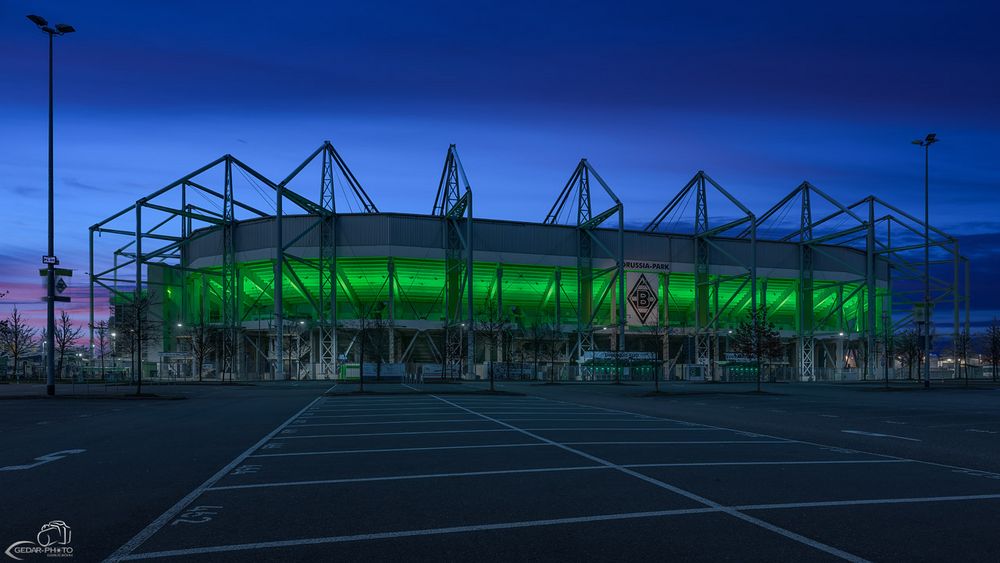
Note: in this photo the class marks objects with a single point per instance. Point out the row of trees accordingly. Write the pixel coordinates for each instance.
(909, 348)
(18, 339)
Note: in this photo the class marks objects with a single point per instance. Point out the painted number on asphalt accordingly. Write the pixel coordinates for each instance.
(197, 515)
(246, 469)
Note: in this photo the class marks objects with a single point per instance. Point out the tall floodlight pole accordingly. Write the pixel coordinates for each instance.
(50, 258)
(926, 143)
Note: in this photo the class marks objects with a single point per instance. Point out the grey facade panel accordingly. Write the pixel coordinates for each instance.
(523, 238)
(388, 231)
(414, 231)
(360, 230)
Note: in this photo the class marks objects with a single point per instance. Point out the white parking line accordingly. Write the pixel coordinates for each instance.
(389, 422)
(580, 419)
(545, 470)
(863, 502)
(437, 413)
(394, 433)
(404, 408)
(122, 552)
(681, 442)
(887, 456)
(697, 498)
(626, 429)
(558, 413)
(878, 435)
(415, 533)
(386, 450)
(555, 522)
(406, 477)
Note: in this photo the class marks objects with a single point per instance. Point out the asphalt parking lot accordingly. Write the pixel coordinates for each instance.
(538, 475)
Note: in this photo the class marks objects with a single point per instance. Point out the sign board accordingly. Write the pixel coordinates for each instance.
(642, 290)
(61, 283)
(610, 355)
(646, 266)
(50, 260)
(57, 271)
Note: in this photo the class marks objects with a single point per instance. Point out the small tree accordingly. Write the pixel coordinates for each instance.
(909, 350)
(758, 339)
(539, 340)
(378, 336)
(492, 327)
(137, 329)
(66, 336)
(203, 345)
(16, 337)
(961, 348)
(553, 350)
(992, 345)
(662, 334)
(102, 331)
(364, 325)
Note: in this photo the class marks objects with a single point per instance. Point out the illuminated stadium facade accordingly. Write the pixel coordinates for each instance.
(285, 283)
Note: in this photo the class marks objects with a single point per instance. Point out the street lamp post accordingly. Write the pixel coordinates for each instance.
(926, 143)
(50, 299)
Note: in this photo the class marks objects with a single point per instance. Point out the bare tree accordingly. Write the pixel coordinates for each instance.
(539, 341)
(909, 350)
(662, 334)
(364, 326)
(16, 337)
(66, 336)
(758, 339)
(491, 327)
(203, 345)
(992, 345)
(552, 351)
(102, 345)
(961, 348)
(378, 336)
(137, 330)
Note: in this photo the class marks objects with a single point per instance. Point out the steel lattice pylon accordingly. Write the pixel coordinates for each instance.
(230, 289)
(328, 272)
(707, 309)
(578, 188)
(453, 204)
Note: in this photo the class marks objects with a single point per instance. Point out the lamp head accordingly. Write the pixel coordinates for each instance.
(38, 20)
(64, 28)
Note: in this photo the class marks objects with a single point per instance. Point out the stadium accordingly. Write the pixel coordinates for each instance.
(227, 274)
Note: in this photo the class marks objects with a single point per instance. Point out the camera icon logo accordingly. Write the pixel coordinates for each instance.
(55, 532)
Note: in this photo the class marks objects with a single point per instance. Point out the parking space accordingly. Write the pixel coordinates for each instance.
(460, 477)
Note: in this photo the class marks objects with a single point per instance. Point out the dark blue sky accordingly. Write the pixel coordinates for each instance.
(759, 94)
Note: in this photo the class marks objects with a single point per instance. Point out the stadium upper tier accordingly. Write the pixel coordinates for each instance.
(531, 267)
